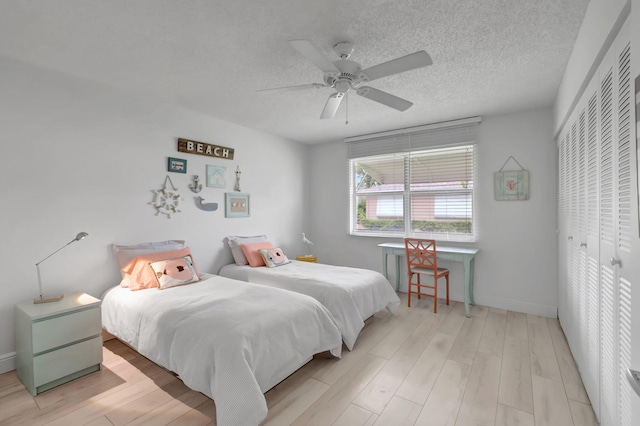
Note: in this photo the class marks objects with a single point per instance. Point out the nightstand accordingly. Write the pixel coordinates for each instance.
(57, 342)
(307, 258)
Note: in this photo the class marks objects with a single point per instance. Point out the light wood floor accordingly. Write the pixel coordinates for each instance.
(409, 368)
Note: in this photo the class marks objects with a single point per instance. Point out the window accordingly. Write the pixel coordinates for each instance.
(422, 189)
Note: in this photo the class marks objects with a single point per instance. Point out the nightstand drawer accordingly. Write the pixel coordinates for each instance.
(57, 364)
(65, 329)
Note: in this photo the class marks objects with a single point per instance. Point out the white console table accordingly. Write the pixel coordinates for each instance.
(458, 254)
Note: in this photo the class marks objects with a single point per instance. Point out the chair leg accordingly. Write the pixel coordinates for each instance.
(419, 288)
(435, 294)
(409, 291)
(447, 277)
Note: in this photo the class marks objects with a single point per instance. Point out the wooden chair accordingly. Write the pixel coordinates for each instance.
(421, 259)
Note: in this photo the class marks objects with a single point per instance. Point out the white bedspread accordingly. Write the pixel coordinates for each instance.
(228, 339)
(351, 294)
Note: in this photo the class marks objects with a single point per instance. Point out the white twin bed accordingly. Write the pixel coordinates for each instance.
(230, 340)
(351, 294)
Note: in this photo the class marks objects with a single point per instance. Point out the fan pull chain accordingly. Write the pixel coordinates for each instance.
(346, 104)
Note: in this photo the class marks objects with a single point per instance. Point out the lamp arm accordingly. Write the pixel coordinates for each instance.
(55, 251)
(80, 236)
(38, 265)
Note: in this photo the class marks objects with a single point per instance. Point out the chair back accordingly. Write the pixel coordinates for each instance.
(420, 253)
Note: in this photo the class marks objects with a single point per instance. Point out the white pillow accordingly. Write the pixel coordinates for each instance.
(274, 257)
(125, 254)
(174, 272)
(235, 243)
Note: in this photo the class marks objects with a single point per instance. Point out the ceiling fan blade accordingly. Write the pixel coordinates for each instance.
(309, 51)
(332, 105)
(406, 63)
(384, 98)
(294, 88)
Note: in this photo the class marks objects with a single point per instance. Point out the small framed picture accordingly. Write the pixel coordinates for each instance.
(511, 185)
(237, 205)
(177, 165)
(216, 176)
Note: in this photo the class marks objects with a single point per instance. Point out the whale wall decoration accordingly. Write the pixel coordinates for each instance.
(209, 207)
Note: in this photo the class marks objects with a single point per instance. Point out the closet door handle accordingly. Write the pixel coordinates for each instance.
(634, 380)
(615, 262)
(583, 244)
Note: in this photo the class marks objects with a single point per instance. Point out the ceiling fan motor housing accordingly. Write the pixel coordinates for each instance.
(349, 74)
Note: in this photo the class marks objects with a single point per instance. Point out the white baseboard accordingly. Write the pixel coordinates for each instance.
(7, 362)
(517, 306)
(511, 305)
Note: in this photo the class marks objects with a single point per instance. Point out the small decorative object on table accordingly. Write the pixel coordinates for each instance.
(308, 242)
(307, 257)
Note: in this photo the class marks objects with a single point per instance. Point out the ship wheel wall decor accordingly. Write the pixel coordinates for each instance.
(167, 199)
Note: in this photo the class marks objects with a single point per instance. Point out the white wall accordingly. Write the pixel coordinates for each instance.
(516, 266)
(78, 156)
(599, 28)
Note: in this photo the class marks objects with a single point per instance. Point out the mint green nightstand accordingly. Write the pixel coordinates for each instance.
(57, 342)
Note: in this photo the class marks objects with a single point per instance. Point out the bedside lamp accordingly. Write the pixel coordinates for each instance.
(47, 299)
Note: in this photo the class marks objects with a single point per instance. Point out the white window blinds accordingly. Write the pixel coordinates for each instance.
(415, 181)
(414, 138)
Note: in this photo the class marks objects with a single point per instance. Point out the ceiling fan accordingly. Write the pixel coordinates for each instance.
(344, 75)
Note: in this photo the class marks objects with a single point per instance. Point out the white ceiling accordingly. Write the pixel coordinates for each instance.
(490, 56)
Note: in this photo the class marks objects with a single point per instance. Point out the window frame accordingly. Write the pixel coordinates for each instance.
(407, 193)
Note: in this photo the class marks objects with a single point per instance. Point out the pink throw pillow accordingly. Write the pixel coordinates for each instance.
(252, 252)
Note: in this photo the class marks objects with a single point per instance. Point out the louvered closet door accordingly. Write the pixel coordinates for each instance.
(563, 229)
(573, 237)
(580, 242)
(590, 364)
(608, 274)
(625, 237)
(615, 235)
(582, 245)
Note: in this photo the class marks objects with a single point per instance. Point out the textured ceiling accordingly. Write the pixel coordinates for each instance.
(490, 56)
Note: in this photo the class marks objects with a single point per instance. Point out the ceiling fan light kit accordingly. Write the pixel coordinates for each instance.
(344, 75)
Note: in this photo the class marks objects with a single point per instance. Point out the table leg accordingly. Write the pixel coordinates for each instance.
(471, 263)
(384, 263)
(397, 272)
(468, 286)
